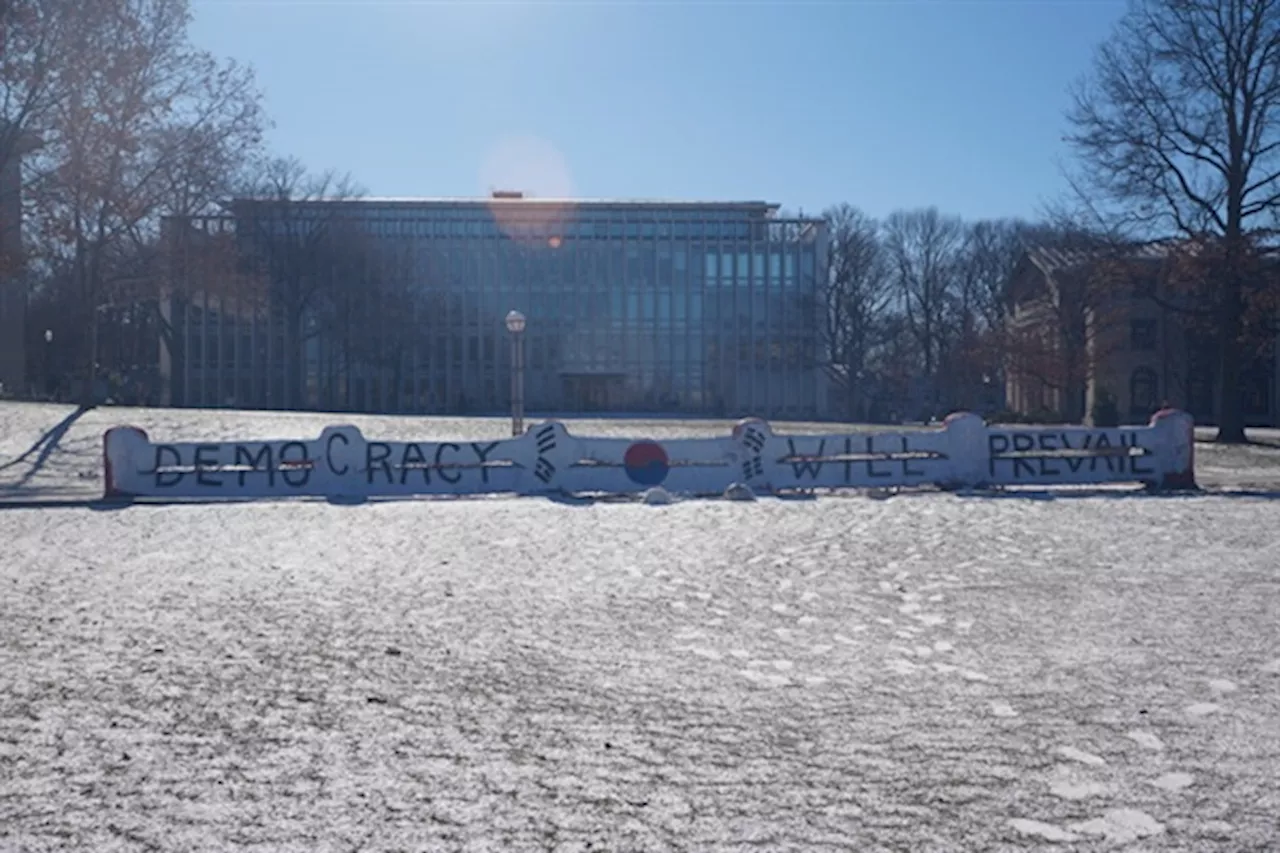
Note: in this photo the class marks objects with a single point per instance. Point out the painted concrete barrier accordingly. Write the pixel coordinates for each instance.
(963, 453)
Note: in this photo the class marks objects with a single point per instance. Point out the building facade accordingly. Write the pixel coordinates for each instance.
(1089, 325)
(398, 306)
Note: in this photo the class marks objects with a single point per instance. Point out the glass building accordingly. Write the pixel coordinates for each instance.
(377, 305)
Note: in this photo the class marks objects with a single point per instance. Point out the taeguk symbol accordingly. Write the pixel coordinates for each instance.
(646, 463)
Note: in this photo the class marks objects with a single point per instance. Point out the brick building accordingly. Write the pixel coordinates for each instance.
(1091, 321)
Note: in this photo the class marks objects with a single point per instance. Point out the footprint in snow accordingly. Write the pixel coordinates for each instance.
(1145, 740)
(765, 679)
(1203, 709)
(1174, 781)
(1068, 790)
(1080, 755)
(1221, 685)
(1120, 826)
(902, 667)
(1042, 830)
(1003, 709)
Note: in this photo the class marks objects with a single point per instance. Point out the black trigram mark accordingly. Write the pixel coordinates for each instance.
(753, 467)
(753, 439)
(546, 439)
(544, 470)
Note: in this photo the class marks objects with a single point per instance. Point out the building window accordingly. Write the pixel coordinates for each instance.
(1142, 334)
(1143, 391)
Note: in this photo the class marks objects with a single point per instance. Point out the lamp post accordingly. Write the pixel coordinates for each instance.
(515, 325)
(48, 361)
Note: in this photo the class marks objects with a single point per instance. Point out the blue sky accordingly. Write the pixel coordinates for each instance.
(885, 104)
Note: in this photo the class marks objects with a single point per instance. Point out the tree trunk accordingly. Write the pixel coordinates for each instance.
(1230, 409)
(85, 273)
(295, 352)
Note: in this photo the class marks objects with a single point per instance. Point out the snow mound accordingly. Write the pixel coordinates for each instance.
(1041, 830)
(657, 496)
(1121, 826)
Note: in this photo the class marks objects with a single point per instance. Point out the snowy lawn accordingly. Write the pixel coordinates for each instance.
(928, 672)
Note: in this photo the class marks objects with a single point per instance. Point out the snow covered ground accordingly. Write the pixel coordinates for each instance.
(927, 672)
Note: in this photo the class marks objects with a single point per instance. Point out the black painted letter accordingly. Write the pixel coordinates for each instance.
(289, 472)
(812, 467)
(204, 462)
(1021, 444)
(996, 444)
(444, 472)
(175, 458)
(1047, 468)
(482, 453)
(328, 452)
(376, 455)
(906, 463)
(871, 471)
(260, 462)
(412, 455)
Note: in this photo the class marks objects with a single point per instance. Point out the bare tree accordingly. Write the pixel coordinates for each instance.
(985, 262)
(924, 247)
(992, 249)
(305, 249)
(35, 37)
(988, 261)
(143, 121)
(856, 292)
(1178, 128)
(374, 321)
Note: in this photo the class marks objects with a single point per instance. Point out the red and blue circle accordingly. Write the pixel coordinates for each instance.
(646, 463)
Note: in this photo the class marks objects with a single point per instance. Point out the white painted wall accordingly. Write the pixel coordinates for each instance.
(342, 462)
